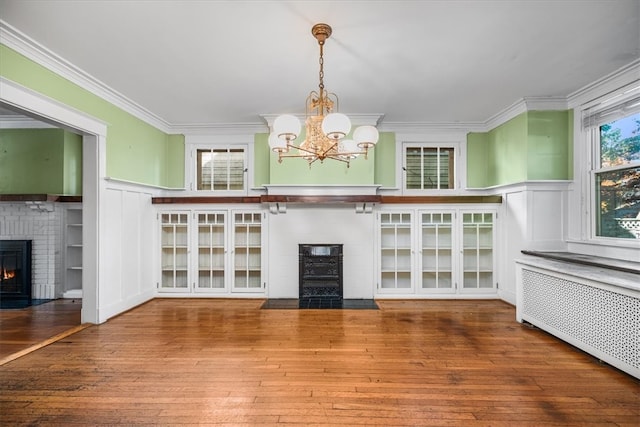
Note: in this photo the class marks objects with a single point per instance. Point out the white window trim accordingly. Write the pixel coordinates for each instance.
(208, 142)
(585, 171)
(453, 140)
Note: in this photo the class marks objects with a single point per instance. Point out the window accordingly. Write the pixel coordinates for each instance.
(220, 169)
(429, 167)
(617, 174)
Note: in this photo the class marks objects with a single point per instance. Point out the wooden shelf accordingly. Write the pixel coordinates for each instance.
(40, 198)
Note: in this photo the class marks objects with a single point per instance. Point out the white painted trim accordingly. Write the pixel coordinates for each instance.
(208, 141)
(48, 109)
(23, 44)
(17, 122)
(219, 129)
(455, 138)
(551, 103)
(356, 119)
(123, 184)
(432, 127)
(558, 185)
(605, 85)
(94, 165)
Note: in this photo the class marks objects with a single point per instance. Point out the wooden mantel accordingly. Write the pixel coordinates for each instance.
(40, 198)
(333, 199)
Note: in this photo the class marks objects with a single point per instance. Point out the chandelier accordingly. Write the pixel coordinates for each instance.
(325, 127)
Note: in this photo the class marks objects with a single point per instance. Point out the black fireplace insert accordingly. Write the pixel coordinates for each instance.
(320, 268)
(15, 273)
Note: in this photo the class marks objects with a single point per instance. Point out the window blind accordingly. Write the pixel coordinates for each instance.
(598, 114)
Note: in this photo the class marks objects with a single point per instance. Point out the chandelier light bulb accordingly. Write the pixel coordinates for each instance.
(286, 127)
(348, 146)
(366, 136)
(278, 145)
(336, 125)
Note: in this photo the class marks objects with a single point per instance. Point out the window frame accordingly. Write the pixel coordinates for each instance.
(439, 141)
(194, 143)
(594, 115)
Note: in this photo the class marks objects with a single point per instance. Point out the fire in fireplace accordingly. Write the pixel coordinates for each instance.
(320, 268)
(15, 273)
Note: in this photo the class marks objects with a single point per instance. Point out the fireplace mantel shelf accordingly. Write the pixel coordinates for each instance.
(328, 199)
(39, 198)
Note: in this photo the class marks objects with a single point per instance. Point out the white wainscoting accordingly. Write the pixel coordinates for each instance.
(534, 219)
(130, 249)
(317, 224)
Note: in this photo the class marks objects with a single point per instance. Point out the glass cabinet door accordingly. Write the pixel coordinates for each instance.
(174, 251)
(437, 252)
(211, 251)
(247, 251)
(395, 251)
(477, 251)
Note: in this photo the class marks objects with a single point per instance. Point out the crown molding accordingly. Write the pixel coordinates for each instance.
(220, 129)
(431, 127)
(372, 119)
(622, 77)
(532, 103)
(23, 44)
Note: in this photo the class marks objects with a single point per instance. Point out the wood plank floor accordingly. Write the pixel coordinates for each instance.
(23, 328)
(226, 362)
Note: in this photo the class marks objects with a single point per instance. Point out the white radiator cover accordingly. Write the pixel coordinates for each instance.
(594, 317)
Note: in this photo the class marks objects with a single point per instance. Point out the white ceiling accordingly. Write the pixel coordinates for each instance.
(228, 62)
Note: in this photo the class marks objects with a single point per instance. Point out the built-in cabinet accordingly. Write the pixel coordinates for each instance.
(211, 252)
(72, 249)
(436, 252)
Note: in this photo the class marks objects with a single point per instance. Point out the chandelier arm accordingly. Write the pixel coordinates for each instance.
(330, 148)
(296, 155)
(334, 157)
(302, 149)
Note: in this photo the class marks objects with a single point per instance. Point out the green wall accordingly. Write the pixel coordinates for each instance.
(34, 161)
(536, 145)
(262, 159)
(136, 151)
(547, 145)
(385, 160)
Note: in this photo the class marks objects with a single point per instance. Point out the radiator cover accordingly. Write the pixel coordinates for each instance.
(599, 321)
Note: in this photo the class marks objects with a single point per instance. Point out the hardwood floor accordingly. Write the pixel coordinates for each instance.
(27, 328)
(204, 361)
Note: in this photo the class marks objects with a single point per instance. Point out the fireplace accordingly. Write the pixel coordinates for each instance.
(320, 268)
(15, 273)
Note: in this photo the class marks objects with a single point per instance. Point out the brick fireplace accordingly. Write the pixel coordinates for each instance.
(40, 223)
(15, 273)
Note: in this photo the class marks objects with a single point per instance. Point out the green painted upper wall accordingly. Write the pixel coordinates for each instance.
(535, 145)
(136, 151)
(547, 145)
(34, 161)
(385, 160)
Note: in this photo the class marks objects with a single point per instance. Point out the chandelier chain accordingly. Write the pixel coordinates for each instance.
(321, 73)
